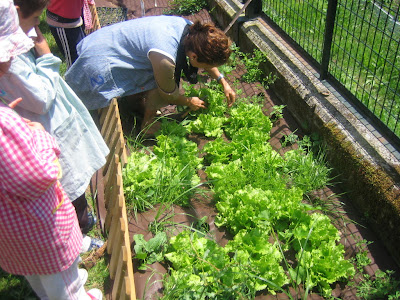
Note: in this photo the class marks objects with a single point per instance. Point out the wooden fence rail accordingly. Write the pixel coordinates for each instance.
(108, 187)
(110, 201)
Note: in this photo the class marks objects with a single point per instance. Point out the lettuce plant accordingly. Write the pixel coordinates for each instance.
(201, 269)
(166, 175)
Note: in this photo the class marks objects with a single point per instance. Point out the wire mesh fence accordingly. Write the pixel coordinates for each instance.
(362, 53)
(111, 15)
(303, 21)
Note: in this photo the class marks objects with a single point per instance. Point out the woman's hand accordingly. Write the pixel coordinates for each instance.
(229, 92)
(195, 103)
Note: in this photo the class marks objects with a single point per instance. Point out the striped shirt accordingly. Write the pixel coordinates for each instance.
(39, 230)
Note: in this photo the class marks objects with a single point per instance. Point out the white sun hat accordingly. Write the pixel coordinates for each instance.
(13, 41)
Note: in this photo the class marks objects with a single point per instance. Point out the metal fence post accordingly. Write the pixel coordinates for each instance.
(253, 9)
(328, 37)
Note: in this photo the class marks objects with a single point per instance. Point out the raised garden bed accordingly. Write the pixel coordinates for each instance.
(201, 210)
(149, 283)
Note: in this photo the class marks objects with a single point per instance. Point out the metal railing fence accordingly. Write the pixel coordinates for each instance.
(353, 42)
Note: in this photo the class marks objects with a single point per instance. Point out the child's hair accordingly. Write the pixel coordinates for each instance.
(210, 44)
(29, 7)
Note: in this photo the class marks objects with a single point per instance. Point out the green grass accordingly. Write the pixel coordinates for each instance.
(14, 287)
(99, 276)
(184, 7)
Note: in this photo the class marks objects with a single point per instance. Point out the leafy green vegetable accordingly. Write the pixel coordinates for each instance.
(259, 168)
(215, 100)
(170, 127)
(151, 251)
(210, 125)
(218, 151)
(251, 247)
(139, 177)
(178, 150)
(201, 269)
(245, 116)
(168, 175)
(320, 258)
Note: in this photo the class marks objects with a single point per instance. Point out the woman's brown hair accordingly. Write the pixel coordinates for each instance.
(209, 43)
(29, 7)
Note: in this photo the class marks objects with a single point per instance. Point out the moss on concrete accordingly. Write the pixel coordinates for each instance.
(370, 188)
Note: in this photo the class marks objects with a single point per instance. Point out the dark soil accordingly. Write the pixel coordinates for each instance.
(148, 284)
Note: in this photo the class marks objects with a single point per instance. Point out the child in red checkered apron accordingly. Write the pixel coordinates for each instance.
(40, 235)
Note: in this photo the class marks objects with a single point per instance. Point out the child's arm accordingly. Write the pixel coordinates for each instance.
(33, 76)
(27, 156)
(41, 46)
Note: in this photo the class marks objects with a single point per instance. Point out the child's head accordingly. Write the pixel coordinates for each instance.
(29, 12)
(13, 41)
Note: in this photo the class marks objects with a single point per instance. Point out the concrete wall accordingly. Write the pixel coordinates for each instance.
(369, 172)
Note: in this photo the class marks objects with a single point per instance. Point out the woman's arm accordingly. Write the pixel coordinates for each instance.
(164, 69)
(229, 92)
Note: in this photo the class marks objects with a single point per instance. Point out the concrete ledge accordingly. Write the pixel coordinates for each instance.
(368, 170)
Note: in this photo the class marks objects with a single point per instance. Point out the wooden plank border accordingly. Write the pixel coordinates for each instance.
(108, 186)
(115, 225)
